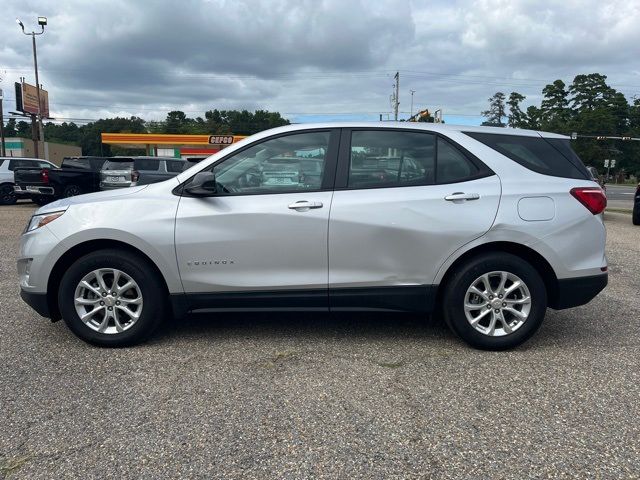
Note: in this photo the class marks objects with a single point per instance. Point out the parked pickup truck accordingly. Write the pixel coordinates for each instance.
(8, 165)
(77, 175)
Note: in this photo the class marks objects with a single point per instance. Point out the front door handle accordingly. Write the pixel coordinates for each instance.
(303, 205)
(461, 196)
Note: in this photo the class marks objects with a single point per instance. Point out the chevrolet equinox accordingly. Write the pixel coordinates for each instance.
(486, 226)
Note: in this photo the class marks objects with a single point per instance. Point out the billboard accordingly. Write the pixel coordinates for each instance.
(27, 99)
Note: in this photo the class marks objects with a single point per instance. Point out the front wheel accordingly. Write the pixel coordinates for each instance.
(496, 301)
(7, 195)
(112, 298)
(635, 217)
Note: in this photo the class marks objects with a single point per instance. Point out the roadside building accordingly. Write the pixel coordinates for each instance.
(54, 152)
(172, 145)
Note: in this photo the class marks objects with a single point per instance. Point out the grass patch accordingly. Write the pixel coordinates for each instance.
(12, 465)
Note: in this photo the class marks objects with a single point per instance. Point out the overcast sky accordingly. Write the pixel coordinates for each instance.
(312, 59)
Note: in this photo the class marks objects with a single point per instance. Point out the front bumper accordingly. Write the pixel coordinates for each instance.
(573, 292)
(37, 301)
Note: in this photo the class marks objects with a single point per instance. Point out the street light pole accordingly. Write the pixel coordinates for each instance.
(42, 21)
(3, 150)
(411, 113)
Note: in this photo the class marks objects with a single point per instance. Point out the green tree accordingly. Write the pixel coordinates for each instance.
(496, 111)
(23, 129)
(533, 118)
(91, 141)
(516, 118)
(590, 91)
(555, 112)
(10, 128)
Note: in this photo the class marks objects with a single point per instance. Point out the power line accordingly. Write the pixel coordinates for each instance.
(271, 76)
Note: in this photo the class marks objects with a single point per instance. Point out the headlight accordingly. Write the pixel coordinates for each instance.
(38, 221)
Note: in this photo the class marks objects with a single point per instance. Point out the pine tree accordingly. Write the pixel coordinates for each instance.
(496, 111)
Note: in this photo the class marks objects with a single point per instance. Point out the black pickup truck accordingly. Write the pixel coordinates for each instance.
(77, 175)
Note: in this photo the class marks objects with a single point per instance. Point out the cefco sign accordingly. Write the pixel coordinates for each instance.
(27, 100)
(221, 139)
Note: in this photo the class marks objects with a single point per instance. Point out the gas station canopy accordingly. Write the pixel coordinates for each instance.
(173, 145)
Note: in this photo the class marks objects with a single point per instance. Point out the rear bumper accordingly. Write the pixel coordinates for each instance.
(111, 186)
(573, 292)
(37, 301)
(33, 190)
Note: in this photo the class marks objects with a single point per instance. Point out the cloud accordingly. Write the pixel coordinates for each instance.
(301, 57)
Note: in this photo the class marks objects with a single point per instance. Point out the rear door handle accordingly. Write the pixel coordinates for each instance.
(303, 205)
(461, 196)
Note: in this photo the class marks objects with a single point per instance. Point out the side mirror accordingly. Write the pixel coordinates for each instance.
(203, 185)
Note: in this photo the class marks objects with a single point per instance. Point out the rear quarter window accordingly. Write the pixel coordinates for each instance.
(548, 156)
(175, 166)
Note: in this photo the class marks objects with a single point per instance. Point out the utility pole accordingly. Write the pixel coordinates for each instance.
(396, 99)
(411, 112)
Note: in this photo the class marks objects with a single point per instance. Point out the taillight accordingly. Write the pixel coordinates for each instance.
(44, 175)
(135, 175)
(593, 198)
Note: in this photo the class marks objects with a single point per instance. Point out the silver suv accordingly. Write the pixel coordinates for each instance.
(488, 226)
(119, 172)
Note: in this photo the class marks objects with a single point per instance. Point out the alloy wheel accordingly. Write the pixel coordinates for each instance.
(497, 303)
(108, 301)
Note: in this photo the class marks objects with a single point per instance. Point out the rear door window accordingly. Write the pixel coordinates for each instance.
(147, 164)
(548, 156)
(391, 159)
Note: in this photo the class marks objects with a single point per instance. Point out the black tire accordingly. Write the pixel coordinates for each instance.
(42, 199)
(635, 217)
(462, 279)
(7, 195)
(71, 191)
(154, 308)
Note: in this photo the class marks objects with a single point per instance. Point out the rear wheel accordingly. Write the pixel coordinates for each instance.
(7, 195)
(71, 191)
(495, 301)
(636, 214)
(41, 199)
(112, 298)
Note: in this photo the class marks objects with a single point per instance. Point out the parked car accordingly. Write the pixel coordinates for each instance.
(121, 172)
(636, 207)
(469, 221)
(76, 176)
(8, 165)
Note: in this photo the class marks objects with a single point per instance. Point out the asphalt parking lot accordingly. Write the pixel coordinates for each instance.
(319, 396)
